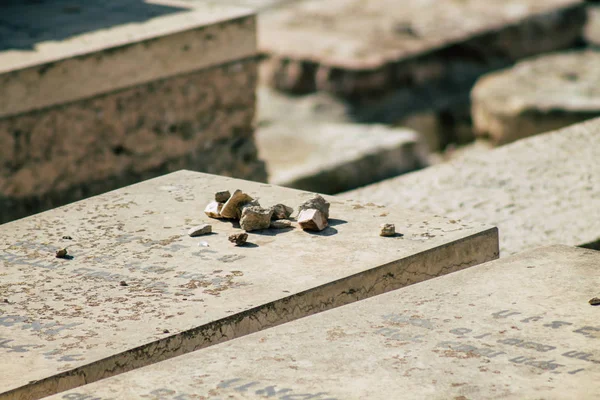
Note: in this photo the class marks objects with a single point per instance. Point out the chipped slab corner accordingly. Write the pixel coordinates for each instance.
(68, 322)
(516, 328)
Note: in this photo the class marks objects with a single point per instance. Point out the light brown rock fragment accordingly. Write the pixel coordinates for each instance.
(238, 238)
(62, 253)
(200, 230)
(222, 197)
(255, 218)
(312, 220)
(280, 224)
(387, 230)
(281, 211)
(316, 203)
(232, 207)
(213, 209)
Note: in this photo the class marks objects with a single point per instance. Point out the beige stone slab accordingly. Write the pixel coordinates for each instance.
(331, 158)
(355, 47)
(537, 95)
(36, 74)
(540, 190)
(517, 328)
(139, 290)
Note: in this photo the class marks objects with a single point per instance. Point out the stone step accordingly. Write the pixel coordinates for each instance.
(135, 289)
(537, 95)
(310, 143)
(540, 190)
(99, 95)
(520, 327)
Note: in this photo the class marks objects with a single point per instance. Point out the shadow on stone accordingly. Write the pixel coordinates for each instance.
(335, 222)
(329, 231)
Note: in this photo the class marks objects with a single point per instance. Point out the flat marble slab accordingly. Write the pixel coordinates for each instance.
(517, 328)
(138, 289)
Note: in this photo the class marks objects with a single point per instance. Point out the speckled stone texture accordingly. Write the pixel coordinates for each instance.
(538, 191)
(200, 121)
(537, 95)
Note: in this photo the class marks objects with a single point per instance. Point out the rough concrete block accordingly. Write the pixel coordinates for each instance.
(517, 328)
(540, 190)
(331, 158)
(97, 96)
(135, 289)
(537, 95)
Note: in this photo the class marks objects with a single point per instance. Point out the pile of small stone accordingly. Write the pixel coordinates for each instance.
(313, 214)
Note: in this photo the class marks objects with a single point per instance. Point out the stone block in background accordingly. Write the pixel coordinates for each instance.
(537, 95)
(540, 190)
(332, 158)
(516, 328)
(138, 290)
(103, 94)
(310, 143)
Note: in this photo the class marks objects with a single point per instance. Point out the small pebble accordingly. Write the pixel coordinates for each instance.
(67, 238)
(6, 301)
(595, 301)
(281, 224)
(222, 197)
(62, 253)
(200, 230)
(203, 244)
(166, 331)
(387, 230)
(123, 283)
(238, 238)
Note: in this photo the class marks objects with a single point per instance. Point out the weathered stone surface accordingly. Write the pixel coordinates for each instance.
(540, 190)
(281, 224)
(79, 116)
(330, 158)
(200, 230)
(231, 209)
(281, 211)
(592, 27)
(222, 197)
(353, 47)
(387, 230)
(69, 322)
(255, 218)
(537, 95)
(239, 239)
(213, 209)
(312, 220)
(317, 202)
(517, 328)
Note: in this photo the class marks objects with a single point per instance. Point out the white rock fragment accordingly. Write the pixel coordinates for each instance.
(388, 230)
(222, 197)
(232, 207)
(281, 224)
(281, 211)
(255, 218)
(312, 220)
(316, 203)
(200, 230)
(213, 209)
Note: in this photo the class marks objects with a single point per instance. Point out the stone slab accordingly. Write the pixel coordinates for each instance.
(101, 95)
(539, 190)
(139, 290)
(332, 158)
(356, 48)
(537, 95)
(517, 328)
(55, 52)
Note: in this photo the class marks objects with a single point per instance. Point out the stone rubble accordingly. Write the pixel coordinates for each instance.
(213, 209)
(231, 208)
(312, 220)
(316, 203)
(222, 197)
(388, 230)
(255, 218)
(280, 224)
(238, 238)
(281, 211)
(200, 230)
(62, 253)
